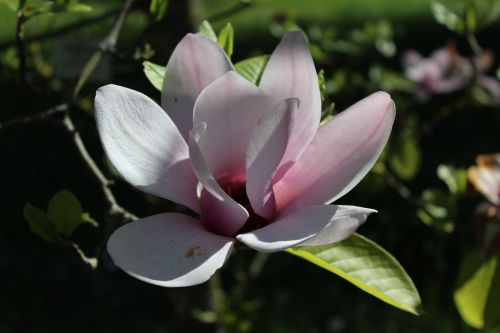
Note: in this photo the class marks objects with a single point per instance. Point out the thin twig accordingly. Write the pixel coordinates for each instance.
(56, 110)
(107, 45)
(63, 30)
(21, 50)
(236, 8)
(114, 207)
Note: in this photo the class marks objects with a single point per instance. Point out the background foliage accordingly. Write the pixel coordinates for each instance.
(57, 211)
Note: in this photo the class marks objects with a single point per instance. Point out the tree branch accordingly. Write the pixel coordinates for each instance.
(56, 110)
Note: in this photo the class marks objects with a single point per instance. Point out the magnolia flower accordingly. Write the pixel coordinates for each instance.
(445, 71)
(485, 177)
(252, 162)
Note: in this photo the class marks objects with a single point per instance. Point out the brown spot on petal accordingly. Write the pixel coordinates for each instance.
(193, 250)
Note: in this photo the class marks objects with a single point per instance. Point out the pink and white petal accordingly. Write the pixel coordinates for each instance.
(346, 221)
(289, 73)
(220, 213)
(230, 106)
(266, 148)
(487, 181)
(340, 155)
(144, 145)
(195, 63)
(318, 224)
(168, 250)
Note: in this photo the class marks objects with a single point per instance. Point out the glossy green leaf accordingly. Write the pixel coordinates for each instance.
(205, 28)
(225, 39)
(477, 295)
(369, 267)
(40, 224)
(155, 73)
(65, 211)
(252, 68)
(158, 8)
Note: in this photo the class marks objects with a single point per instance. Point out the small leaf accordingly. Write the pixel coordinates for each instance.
(40, 224)
(155, 74)
(477, 296)
(405, 157)
(65, 211)
(322, 84)
(439, 210)
(369, 267)
(206, 29)
(158, 8)
(252, 68)
(225, 39)
(446, 17)
(455, 178)
(86, 218)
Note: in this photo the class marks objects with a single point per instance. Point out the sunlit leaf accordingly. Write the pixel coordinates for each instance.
(477, 295)
(439, 210)
(225, 39)
(40, 224)
(158, 8)
(446, 17)
(65, 211)
(205, 28)
(155, 73)
(369, 267)
(252, 68)
(455, 178)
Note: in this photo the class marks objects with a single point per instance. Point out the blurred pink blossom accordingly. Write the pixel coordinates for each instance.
(445, 71)
(252, 162)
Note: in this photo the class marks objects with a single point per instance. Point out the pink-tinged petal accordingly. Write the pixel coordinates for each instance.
(346, 221)
(144, 145)
(487, 181)
(340, 155)
(266, 148)
(231, 106)
(219, 212)
(289, 73)
(325, 222)
(195, 63)
(168, 250)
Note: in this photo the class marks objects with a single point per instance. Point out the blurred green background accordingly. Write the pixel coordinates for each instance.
(360, 46)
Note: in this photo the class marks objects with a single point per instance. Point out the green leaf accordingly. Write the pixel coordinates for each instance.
(446, 17)
(225, 39)
(477, 295)
(155, 74)
(40, 224)
(252, 68)
(405, 157)
(65, 211)
(11, 4)
(322, 84)
(439, 210)
(455, 178)
(205, 28)
(369, 267)
(158, 8)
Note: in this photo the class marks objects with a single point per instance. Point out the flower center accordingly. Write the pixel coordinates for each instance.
(237, 191)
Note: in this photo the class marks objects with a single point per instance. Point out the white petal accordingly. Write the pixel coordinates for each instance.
(231, 106)
(144, 145)
(345, 222)
(195, 63)
(340, 155)
(306, 223)
(266, 148)
(290, 73)
(219, 211)
(169, 250)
